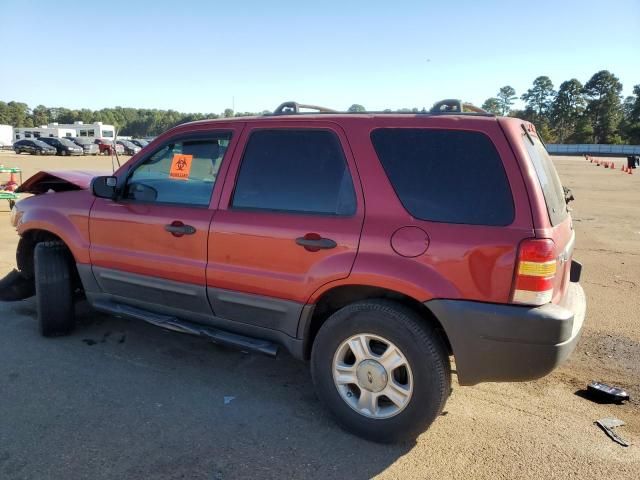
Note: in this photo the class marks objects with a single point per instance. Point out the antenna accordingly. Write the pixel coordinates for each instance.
(114, 150)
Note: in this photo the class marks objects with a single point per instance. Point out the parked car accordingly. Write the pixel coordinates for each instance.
(129, 147)
(464, 249)
(139, 142)
(106, 147)
(33, 147)
(63, 146)
(88, 145)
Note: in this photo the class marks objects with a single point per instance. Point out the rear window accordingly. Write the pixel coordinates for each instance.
(549, 180)
(446, 175)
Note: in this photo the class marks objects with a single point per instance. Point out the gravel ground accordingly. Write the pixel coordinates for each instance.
(121, 399)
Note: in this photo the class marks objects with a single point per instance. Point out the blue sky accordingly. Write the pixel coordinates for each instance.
(196, 56)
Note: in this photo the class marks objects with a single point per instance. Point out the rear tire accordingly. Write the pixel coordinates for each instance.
(424, 376)
(54, 294)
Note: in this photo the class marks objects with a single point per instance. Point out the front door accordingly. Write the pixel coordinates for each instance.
(149, 247)
(289, 222)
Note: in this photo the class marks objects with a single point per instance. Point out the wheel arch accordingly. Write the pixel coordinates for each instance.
(26, 251)
(340, 296)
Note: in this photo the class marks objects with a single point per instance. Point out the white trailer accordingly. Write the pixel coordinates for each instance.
(6, 136)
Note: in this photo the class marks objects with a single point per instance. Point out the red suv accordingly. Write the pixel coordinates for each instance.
(375, 245)
(106, 147)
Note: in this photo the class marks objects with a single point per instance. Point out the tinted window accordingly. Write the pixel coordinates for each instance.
(445, 175)
(302, 171)
(181, 172)
(549, 180)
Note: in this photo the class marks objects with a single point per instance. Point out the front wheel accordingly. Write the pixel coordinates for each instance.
(54, 292)
(381, 370)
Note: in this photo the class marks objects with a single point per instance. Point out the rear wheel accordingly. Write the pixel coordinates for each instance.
(54, 294)
(381, 370)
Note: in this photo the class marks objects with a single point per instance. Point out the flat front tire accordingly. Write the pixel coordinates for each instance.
(381, 369)
(54, 294)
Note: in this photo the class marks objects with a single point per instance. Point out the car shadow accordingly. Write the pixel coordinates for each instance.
(149, 403)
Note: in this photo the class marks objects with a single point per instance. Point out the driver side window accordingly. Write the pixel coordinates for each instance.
(180, 172)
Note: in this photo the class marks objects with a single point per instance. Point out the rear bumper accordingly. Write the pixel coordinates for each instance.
(499, 343)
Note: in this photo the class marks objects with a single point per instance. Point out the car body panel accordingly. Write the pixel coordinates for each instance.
(129, 238)
(243, 271)
(283, 269)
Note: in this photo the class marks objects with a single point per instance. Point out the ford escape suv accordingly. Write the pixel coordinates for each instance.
(379, 246)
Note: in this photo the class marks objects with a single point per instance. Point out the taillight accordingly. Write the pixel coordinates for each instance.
(535, 272)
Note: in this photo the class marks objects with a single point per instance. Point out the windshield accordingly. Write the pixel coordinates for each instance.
(549, 180)
(40, 143)
(67, 142)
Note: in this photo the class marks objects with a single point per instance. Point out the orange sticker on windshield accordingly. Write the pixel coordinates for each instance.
(180, 166)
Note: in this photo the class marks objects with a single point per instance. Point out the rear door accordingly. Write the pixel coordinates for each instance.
(289, 221)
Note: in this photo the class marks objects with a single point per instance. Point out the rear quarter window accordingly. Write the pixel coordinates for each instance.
(449, 176)
(548, 178)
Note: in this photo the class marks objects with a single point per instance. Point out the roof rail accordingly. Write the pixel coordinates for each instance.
(443, 107)
(452, 105)
(294, 107)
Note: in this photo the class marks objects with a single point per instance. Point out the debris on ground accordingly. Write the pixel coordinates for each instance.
(608, 424)
(606, 393)
(16, 286)
(228, 400)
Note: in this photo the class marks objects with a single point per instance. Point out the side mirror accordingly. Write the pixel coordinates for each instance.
(105, 187)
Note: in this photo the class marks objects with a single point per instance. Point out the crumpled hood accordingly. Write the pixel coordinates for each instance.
(59, 181)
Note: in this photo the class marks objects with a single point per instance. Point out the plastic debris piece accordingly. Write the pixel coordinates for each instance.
(607, 425)
(228, 400)
(604, 392)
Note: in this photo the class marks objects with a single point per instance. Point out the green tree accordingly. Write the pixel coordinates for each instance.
(538, 99)
(40, 115)
(18, 114)
(356, 108)
(506, 97)
(228, 112)
(604, 109)
(631, 123)
(566, 109)
(492, 105)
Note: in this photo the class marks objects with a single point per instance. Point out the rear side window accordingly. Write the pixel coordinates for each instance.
(299, 171)
(549, 180)
(446, 176)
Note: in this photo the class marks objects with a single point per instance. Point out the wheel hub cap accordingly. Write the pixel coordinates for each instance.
(371, 376)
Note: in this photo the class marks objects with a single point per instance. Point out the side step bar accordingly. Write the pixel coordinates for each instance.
(172, 323)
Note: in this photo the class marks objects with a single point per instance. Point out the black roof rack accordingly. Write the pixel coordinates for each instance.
(443, 107)
(288, 108)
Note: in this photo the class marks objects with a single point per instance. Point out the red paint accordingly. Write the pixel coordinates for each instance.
(255, 252)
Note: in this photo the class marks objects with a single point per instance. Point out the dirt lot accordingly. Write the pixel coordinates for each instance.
(121, 399)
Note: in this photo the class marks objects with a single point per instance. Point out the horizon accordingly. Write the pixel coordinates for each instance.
(209, 59)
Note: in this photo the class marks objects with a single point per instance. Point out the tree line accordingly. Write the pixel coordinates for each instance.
(591, 113)
(135, 122)
(575, 113)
